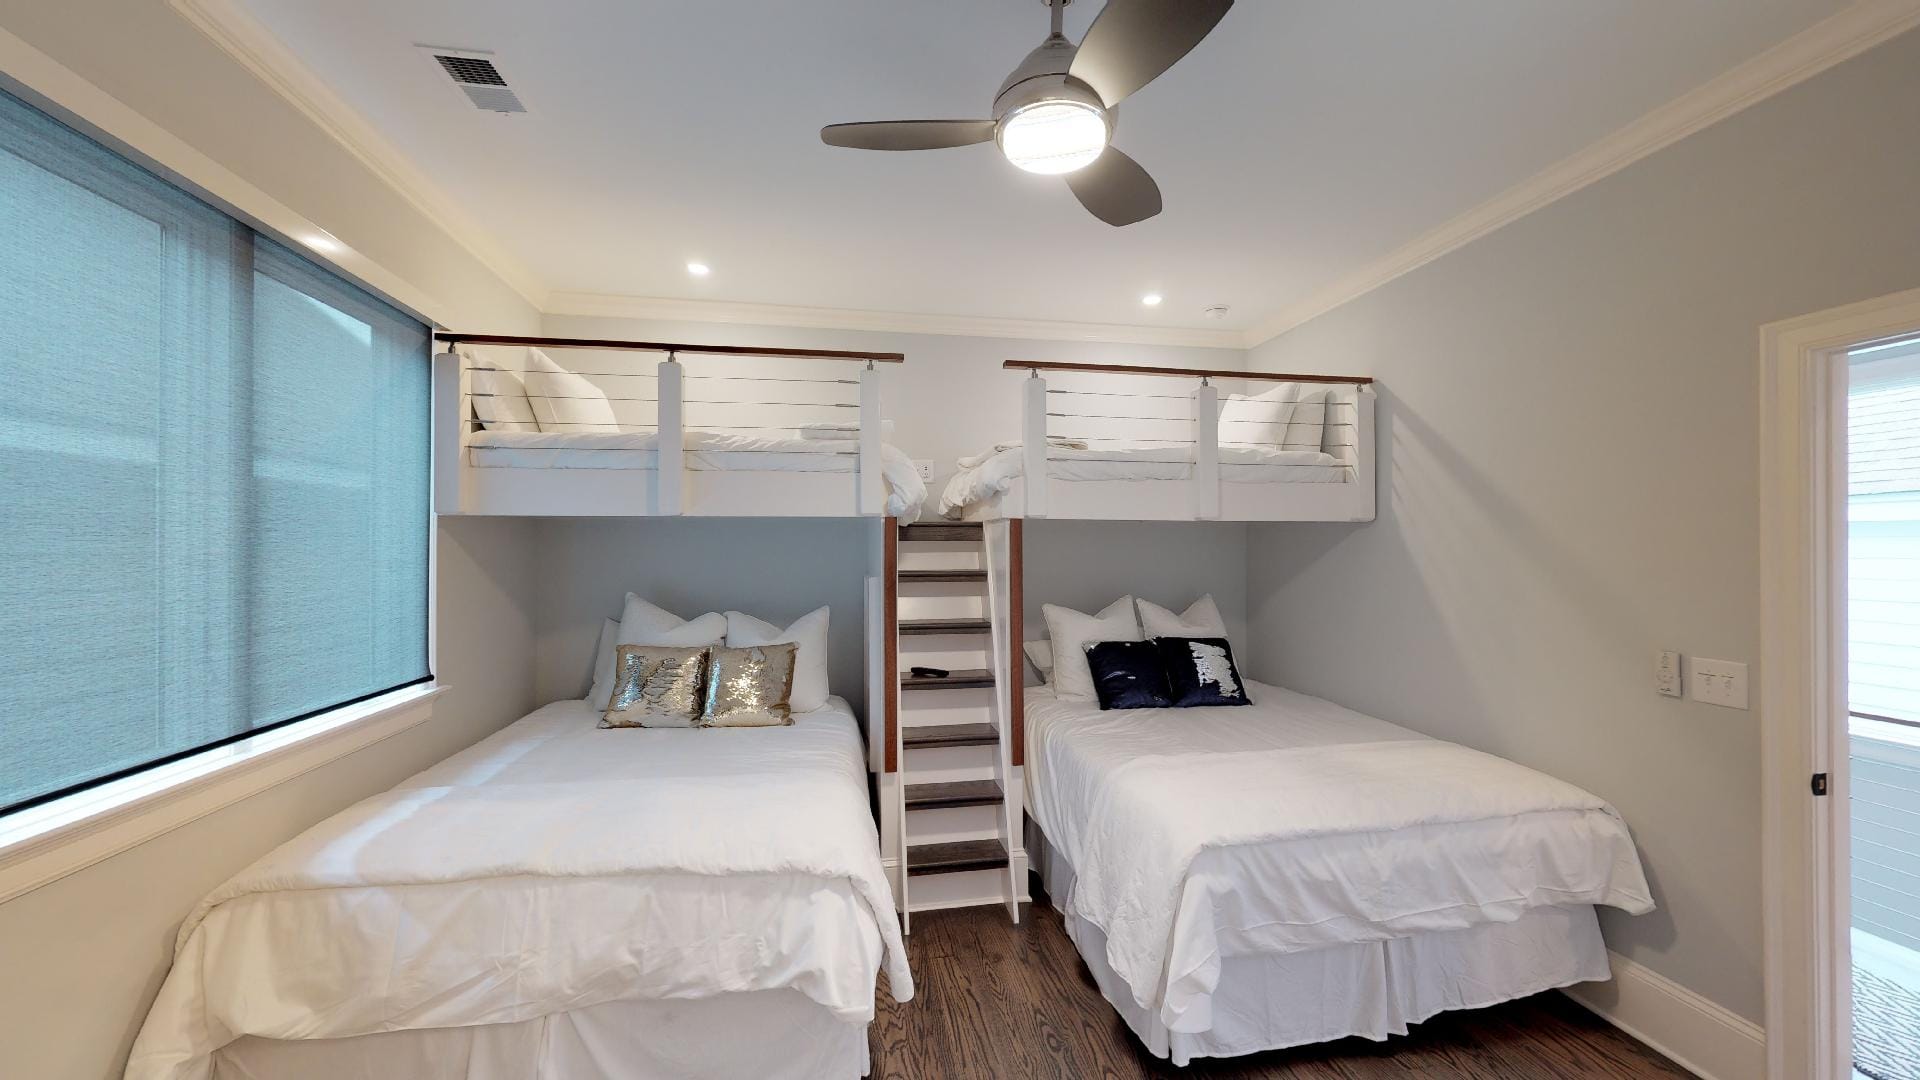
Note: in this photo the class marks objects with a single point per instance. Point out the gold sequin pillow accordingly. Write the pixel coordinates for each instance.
(656, 687)
(751, 687)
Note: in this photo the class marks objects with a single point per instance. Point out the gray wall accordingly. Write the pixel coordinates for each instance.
(1084, 565)
(1568, 480)
(774, 570)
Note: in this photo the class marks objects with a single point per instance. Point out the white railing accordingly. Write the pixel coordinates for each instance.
(1096, 410)
(749, 391)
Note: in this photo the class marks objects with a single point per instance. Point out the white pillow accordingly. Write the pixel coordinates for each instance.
(567, 403)
(1291, 415)
(1200, 620)
(1071, 632)
(809, 632)
(643, 624)
(603, 653)
(499, 397)
(1041, 653)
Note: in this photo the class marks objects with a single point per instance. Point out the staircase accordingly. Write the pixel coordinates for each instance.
(954, 805)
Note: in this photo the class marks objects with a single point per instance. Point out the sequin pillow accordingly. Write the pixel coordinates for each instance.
(656, 687)
(750, 687)
(1200, 671)
(1128, 675)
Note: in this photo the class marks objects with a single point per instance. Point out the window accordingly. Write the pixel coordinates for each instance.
(214, 473)
(1883, 533)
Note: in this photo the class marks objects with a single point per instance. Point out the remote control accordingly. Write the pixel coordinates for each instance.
(930, 672)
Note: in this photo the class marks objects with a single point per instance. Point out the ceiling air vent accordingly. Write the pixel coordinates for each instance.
(474, 72)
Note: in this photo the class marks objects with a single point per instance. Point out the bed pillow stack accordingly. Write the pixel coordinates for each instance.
(566, 403)
(742, 672)
(1161, 660)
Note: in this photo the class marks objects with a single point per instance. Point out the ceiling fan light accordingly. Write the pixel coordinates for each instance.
(1054, 136)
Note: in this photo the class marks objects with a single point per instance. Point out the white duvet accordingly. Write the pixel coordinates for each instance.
(988, 476)
(551, 867)
(1294, 824)
(705, 451)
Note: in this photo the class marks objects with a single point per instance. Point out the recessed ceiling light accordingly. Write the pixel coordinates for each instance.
(699, 269)
(1152, 299)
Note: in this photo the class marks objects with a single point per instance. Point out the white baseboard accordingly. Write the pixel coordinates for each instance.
(1697, 1034)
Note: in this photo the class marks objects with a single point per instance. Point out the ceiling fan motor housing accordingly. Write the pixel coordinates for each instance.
(1042, 76)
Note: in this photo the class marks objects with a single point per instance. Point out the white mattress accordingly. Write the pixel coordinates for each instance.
(551, 868)
(1291, 825)
(991, 474)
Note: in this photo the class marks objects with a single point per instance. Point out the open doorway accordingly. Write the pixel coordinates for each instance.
(1839, 437)
(1883, 705)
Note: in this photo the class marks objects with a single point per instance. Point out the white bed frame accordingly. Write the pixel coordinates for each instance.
(1203, 497)
(669, 490)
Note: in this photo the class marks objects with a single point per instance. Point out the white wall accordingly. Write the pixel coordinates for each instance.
(1084, 565)
(1568, 445)
(84, 955)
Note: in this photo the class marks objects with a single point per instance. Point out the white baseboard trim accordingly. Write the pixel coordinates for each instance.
(1700, 1036)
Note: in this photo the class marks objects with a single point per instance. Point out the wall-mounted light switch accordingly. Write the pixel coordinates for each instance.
(1718, 682)
(1666, 673)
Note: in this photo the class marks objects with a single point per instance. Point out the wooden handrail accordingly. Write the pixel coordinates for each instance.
(668, 347)
(1186, 373)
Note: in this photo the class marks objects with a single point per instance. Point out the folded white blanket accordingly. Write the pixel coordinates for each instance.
(1373, 832)
(553, 867)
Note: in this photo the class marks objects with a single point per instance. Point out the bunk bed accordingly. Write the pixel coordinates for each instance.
(1109, 447)
(750, 432)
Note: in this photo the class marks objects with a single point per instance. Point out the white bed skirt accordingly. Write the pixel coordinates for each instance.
(776, 1034)
(1371, 989)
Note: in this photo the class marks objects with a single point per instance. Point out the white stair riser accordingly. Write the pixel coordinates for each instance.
(944, 555)
(931, 892)
(953, 823)
(941, 600)
(953, 654)
(943, 764)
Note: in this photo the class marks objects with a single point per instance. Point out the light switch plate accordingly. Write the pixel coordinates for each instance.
(1666, 673)
(924, 466)
(1718, 682)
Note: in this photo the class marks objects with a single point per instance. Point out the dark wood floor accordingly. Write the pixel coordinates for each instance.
(1000, 1002)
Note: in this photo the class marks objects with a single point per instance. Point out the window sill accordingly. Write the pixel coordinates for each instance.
(46, 843)
(1878, 740)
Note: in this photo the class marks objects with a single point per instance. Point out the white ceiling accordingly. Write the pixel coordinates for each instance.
(1303, 140)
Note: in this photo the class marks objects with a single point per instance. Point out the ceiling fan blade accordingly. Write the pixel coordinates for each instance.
(908, 134)
(1116, 189)
(1132, 42)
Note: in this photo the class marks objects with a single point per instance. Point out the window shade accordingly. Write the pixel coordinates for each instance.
(1883, 538)
(214, 468)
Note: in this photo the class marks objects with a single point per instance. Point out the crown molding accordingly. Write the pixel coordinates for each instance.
(254, 47)
(608, 305)
(1830, 42)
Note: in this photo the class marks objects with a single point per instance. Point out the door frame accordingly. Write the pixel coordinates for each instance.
(1803, 685)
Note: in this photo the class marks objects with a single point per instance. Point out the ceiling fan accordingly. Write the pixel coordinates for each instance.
(1055, 114)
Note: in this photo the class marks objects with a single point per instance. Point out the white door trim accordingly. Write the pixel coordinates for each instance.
(1803, 678)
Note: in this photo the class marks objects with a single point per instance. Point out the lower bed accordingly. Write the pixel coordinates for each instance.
(557, 902)
(1245, 879)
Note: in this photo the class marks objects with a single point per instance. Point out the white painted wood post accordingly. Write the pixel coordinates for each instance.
(1206, 452)
(1365, 455)
(873, 488)
(449, 419)
(1033, 444)
(670, 462)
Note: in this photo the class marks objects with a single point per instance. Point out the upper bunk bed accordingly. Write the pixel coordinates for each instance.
(661, 429)
(1127, 443)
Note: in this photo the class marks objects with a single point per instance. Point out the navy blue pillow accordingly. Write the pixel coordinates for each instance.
(1200, 671)
(1128, 675)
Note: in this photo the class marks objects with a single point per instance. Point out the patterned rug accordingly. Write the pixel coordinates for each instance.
(1886, 1028)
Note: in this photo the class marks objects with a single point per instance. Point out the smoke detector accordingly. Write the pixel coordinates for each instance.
(1216, 312)
(477, 76)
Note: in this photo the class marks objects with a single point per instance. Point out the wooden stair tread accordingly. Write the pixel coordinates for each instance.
(953, 793)
(962, 679)
(959, 530)
(914, 738)
(953, 858)
(929, 627)
(943, 575)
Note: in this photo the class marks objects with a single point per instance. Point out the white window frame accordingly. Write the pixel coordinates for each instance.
(1803, 678)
